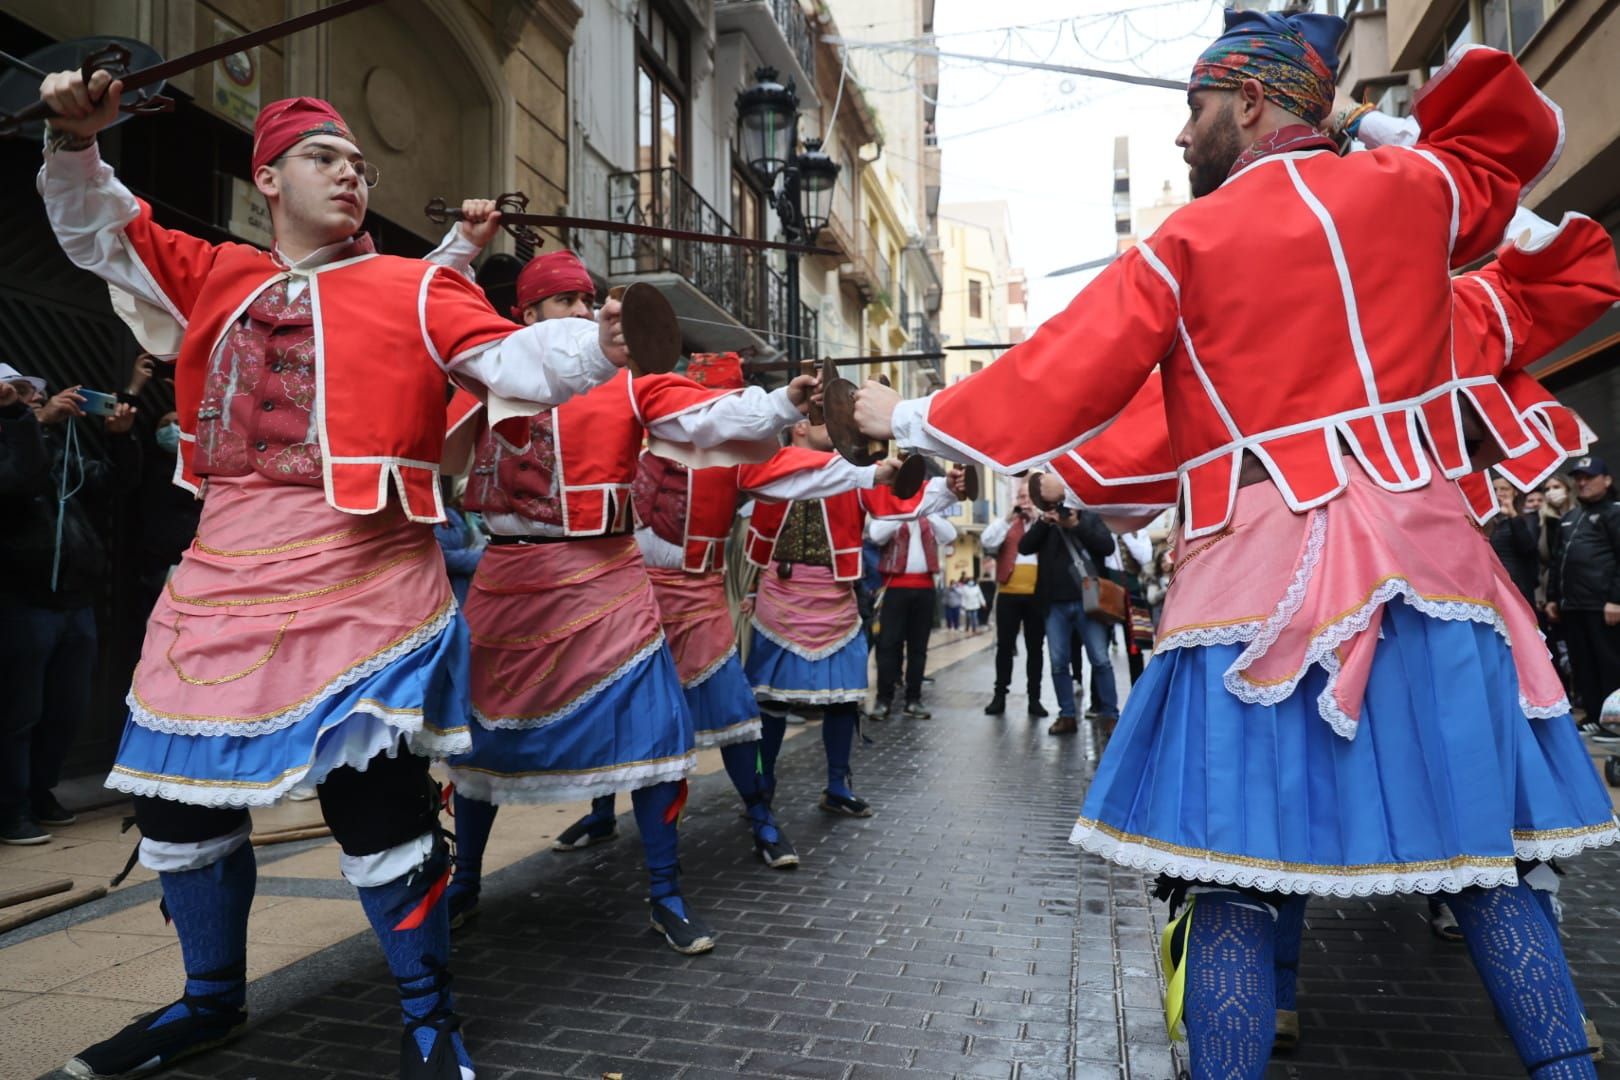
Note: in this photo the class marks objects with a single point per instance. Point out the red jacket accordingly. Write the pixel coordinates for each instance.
(1289, 312)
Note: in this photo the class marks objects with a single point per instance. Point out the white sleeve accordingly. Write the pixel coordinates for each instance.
(1535, 231)
(88, 208)
(881, 532)
(910, 425)
(1380, 129)
(834, 478)
(944, 531)
(995, 534)
(750, 416)
(1140, 547)
(544, 365)
(938, 498)
(455, 252)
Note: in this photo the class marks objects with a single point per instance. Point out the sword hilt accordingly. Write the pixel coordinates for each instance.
(512, 202)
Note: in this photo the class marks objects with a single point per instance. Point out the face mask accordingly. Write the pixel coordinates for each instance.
(1557, 497)
(168, 438)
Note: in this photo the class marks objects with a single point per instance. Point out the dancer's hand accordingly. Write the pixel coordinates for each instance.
(610, 333)
(480, 221)
(874, 410)
(81, 109)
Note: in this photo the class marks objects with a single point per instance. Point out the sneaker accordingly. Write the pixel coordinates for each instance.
(688, 936)
(777, 854)
(795, 720)
(47, 811)
(23, 832)
(844, 806)
(1606, 735)
(588, 831)
(915, 711)
(997, 706)
(1037, 710)
(463, 906)
(885, 712)
(1443, 924)
(140, 1050)
(1588, 727)
(1064, 725)
(1286, 1039)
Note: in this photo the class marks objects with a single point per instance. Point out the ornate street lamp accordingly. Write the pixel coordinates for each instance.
(767, 130)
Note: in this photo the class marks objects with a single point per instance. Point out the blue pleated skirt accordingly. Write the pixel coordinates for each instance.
(780, 674)
(633, 733)
(421, 697)
(723, 706)
(1445, 784)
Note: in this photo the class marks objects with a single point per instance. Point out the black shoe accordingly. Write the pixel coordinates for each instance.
(689, 936)
(140, 1050)
(463, 907)
(777, 854)
(1606, 735)
(1588, 727)
(842, 806)
(22, 832)
(47, 811)
(1037, 710)
(997, 706)
(883, 712)
(588, 831)
(915, 711)
(442, 1062)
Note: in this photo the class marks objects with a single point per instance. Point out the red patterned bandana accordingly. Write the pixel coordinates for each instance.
(283, 124)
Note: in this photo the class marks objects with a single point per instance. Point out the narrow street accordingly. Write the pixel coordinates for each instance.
(955, 934)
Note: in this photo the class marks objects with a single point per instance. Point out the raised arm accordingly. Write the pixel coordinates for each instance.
(677, 410)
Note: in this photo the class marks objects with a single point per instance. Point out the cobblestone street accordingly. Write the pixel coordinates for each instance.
(955, 934)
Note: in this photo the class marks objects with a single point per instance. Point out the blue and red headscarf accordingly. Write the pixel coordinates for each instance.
(1294, 57)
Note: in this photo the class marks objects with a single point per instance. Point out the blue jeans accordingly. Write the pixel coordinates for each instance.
(51, 658)
(1063, 620)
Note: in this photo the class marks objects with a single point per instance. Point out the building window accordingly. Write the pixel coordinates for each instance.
(747, 216)
(1502, 24)
(661, 81)
(975, 299)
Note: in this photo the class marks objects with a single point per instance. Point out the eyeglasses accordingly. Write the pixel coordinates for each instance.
(332, 165)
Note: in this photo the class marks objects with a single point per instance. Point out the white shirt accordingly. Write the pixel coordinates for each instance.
(881, 532)
(995, 534)
(972, 596)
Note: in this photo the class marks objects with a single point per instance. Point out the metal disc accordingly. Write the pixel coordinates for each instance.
(651, 331)
(20, 89)
(838, 403)
(1035, 493)
(971, 484)
(913, 475)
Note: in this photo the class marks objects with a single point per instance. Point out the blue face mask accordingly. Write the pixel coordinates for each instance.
(168, 438)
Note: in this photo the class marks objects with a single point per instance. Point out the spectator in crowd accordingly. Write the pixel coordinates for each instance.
(1583, 587)
(953, 608)
(55, 567)
(1513, 538)
(22, 449)
(972, 601)
(1133, 556)
(460, 541)
(909, 563)
(1158, 583)
(1071, 546)
(1018, 608)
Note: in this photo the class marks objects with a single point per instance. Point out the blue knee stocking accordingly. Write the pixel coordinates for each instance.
(838, 736)
(603, 808)
(412, 924)
(1516, 951)
(772, 730)
(209, 907)
(743, 766)
(657, 808)
(1290, 933)
(473, 819)
(1230, 996)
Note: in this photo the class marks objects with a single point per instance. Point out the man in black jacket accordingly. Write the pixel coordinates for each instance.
(1070, 546)
(1583, 589)
(56, 564)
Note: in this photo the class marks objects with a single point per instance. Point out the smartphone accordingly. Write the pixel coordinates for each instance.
(98, 404)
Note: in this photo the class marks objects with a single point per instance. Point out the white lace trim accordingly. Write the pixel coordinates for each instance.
(1452, 878)
(523, 723)
(1292, 600)
(747, 731)
(799, 650)
(809, 697)
(569, 787)
(406, 645)
(1235, 634)
(357, 754)
(708, 673)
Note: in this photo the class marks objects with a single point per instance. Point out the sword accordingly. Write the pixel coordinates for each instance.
(516, 220)
(895, 358)
(115, 59)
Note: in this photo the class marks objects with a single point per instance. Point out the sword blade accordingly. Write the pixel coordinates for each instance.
(562, 221)
(168, 69)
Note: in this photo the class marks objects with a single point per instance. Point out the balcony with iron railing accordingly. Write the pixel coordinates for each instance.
(781, 35)
(728, 298)
(921, 333)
